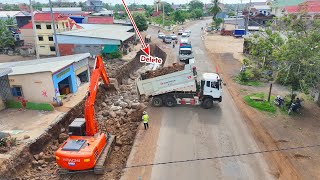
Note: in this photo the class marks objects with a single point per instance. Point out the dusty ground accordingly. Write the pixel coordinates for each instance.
(7, 58)
(272, 131)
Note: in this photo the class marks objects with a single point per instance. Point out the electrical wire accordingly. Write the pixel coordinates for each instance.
(175, 162)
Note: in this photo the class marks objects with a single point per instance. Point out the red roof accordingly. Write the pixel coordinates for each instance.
(46, 17)
(311, 6)
(100, 20)
(27, 26)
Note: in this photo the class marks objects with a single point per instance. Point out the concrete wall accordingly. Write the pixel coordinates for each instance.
(37, 87)
(27, 36)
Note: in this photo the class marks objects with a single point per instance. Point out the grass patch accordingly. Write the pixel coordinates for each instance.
(248, 83)
(14, 104)
(261, 105)
(39, 106)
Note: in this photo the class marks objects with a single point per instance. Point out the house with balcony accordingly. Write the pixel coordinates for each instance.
(44, 30)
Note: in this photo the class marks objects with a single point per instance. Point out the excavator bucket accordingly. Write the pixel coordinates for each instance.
(113, 86)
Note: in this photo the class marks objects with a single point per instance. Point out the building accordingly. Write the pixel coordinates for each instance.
(309, 8)
(27, 34)
(260, 19)
(45, 80)
(5, 90)
(4, 15)
(94, 5)
(22, 18)
(260, 8)
(65, 10)
(44, 30)
(278, 6)
(95, 39)
(103, 17)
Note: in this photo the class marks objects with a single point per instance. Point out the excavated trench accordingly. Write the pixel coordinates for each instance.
(118, 112)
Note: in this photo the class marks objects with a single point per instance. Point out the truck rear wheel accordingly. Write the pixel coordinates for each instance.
(207, 103)
(170, 101)
(157, 101)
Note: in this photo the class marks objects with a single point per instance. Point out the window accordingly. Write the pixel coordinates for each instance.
(215, 84)
(50, 38)
(57, 26)
(38, 26)
(17, 91)
(40, 38)
(52, 48)
(49, 26)
(42, 46)
(208, 83)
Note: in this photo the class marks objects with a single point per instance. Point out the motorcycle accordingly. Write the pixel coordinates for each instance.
(279, 101)
(294, 107)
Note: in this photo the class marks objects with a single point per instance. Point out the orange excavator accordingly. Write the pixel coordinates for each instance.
(87, 148)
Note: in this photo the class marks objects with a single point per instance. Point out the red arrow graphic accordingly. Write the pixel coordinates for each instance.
(146, 48)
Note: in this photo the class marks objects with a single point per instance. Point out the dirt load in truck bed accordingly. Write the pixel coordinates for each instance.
(163, 71)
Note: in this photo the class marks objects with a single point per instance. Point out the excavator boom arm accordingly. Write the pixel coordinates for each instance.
(98, 71)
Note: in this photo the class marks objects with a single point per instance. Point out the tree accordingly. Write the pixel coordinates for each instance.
(6, 38)
(196, 4)
(178, 16)
(140, 21)
(215, 9)
(291, 50)
(197, 13)
(231, 14)
(167, 7)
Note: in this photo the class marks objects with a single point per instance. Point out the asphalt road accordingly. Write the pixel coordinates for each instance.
(189, 133)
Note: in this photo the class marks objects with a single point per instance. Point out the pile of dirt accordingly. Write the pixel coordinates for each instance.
(112, 65)
(164, 70)
(117, 112)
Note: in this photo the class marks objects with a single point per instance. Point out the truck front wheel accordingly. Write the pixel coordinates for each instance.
(170, 101)
(157, 101)
(207, 103)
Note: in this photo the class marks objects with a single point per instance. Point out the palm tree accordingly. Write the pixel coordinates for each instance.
(215, 9)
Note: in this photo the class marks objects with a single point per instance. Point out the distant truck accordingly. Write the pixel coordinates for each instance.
(182, 87)
(185, 50)
(239, 32)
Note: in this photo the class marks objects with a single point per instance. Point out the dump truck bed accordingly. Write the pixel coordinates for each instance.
(178, 81)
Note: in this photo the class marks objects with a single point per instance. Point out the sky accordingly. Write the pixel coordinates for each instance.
(137, 1)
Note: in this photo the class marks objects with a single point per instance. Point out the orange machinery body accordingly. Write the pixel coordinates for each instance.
(83, 147)
(86, 157)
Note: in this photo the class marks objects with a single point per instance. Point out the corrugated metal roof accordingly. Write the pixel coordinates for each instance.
(8, 13)
(43, 65)
(5, 71)
(116, 32)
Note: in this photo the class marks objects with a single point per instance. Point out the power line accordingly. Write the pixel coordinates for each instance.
(180, 161)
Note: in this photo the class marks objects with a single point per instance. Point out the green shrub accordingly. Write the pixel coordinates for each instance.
(260, 105)
(115, 55)
(14, 104)
(39, 106)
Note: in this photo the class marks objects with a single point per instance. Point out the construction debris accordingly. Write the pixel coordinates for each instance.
(163, 70)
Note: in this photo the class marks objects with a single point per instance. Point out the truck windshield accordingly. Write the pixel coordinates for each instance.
(185, 52)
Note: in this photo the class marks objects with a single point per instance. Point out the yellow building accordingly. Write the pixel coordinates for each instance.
(44, 31)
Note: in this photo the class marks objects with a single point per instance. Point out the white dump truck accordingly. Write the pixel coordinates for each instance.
(182, 87)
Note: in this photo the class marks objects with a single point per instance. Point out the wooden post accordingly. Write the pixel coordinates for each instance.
(269, 96)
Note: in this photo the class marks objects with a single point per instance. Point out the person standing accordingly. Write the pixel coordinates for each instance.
(145, 118)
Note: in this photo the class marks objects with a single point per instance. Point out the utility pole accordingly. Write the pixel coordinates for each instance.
(34, 31)
(163, 14)
(247, 23)
(236, 25)
(54, 31)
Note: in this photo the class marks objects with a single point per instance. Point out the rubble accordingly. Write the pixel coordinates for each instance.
(164, 70)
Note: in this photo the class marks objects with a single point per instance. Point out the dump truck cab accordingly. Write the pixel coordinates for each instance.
(211, 86)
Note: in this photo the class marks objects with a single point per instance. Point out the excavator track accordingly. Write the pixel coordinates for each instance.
(99, 167)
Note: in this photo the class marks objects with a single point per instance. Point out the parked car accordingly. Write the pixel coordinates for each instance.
(188, 32)
(167, 39)
(174, 37)
(209, 29)
(180, 32)
(185, 35)
(161, 35)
